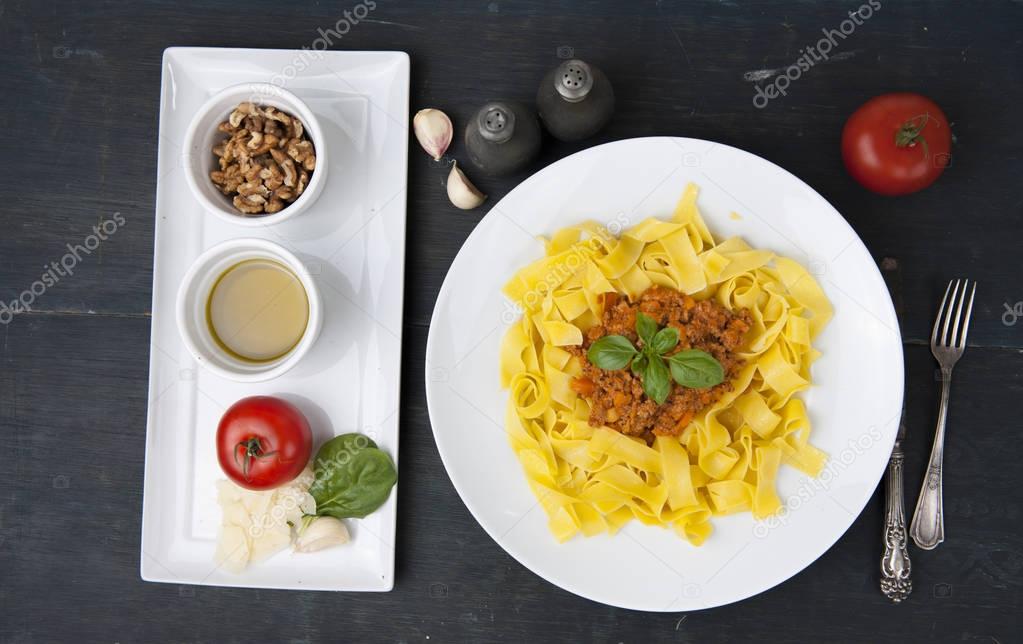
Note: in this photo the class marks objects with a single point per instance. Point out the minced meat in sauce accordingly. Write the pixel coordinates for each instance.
(617, 399)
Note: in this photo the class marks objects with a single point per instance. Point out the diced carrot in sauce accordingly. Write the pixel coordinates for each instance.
(686, 418)
(582, 386)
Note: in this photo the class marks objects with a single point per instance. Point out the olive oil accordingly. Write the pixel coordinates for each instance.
(257, 310)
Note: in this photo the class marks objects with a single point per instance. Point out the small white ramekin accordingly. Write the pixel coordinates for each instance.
(202, 133)
(194, 294)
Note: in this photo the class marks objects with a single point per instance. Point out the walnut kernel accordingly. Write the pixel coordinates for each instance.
(266, 161)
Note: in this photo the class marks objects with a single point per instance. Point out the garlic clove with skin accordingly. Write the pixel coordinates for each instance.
(321, 532)
(433, 129)
(461, 192)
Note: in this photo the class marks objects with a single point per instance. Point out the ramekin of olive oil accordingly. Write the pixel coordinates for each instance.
(257, 310)
(248, 310)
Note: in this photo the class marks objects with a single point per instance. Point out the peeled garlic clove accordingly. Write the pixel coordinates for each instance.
(461, 192)
(320, 533)
(434, 130)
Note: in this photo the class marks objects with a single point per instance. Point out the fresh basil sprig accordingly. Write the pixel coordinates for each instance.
(690, 368)
(353, 477)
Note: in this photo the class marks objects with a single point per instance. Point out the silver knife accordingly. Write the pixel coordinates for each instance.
(896, 583)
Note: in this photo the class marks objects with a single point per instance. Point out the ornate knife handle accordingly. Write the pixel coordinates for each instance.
(895, 567)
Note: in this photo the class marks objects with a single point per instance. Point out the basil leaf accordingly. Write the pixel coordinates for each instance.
(665, 340)
(696, 369)
(657, 381)
(611, 352)
(639, 364)
(353, 477)
(646, 328)
(339, 450)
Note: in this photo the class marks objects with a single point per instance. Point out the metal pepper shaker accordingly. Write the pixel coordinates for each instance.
(575, 100)
(503, 137)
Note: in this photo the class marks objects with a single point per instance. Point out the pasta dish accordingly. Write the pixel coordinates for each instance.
(653, 375)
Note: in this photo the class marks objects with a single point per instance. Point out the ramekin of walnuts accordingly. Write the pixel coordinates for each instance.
(255, 155)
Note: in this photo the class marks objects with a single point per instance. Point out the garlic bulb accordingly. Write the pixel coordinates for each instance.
(433, 129)
(461, 192)
(321, 532)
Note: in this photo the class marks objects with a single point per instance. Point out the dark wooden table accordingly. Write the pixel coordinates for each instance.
(80, 84)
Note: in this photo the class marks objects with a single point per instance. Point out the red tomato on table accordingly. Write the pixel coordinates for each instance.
(895, 144)
(263, 442)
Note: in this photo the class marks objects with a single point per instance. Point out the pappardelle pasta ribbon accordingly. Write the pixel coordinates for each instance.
(592, 480)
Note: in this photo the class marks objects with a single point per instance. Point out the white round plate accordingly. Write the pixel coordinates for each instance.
(854, 403)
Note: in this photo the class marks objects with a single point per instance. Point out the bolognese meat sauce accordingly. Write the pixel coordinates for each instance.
(617, 399)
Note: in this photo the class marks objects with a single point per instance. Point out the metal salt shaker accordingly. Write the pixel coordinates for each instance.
(503, 137)
(575, 100)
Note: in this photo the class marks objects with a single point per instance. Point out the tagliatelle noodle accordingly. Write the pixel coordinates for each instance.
(592, 480)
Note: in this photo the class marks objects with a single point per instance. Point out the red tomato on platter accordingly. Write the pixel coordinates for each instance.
(895, 144)
(263, 442)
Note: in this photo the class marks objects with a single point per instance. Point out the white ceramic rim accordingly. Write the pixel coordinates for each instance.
(199, 140)
(194, 292)
(527, 559)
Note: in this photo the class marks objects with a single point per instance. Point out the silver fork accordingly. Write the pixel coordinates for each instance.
(947, 345)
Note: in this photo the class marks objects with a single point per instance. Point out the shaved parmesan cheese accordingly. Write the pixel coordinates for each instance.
(256, 525)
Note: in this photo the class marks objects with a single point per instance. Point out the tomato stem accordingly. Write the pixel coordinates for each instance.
(253, 449)
(911, 132)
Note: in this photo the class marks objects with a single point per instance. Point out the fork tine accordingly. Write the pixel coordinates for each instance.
(937, 320)
(959, 314)
(948, 315)
(966, 320)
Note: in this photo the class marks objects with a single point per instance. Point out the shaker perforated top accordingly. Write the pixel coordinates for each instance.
(573, 80)
(496, 123)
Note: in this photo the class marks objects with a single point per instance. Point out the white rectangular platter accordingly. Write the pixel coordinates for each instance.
(352, 239)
